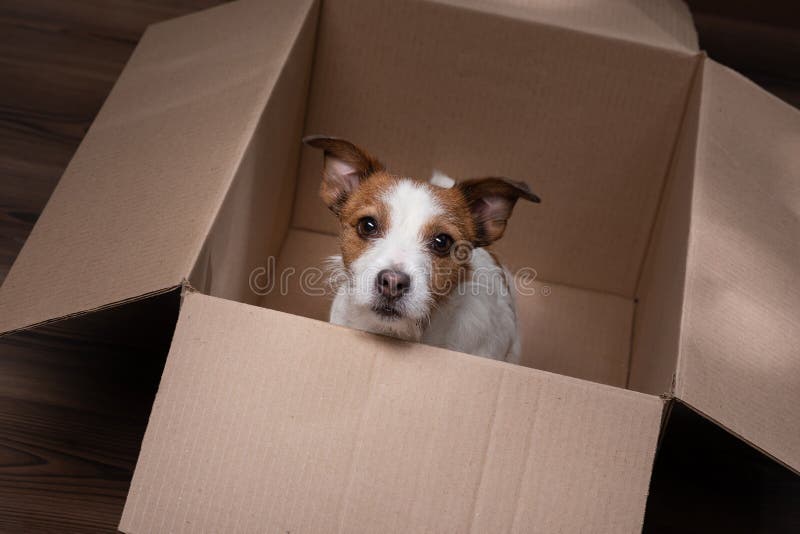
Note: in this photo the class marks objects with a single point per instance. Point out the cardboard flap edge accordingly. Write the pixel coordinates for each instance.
(738, 362)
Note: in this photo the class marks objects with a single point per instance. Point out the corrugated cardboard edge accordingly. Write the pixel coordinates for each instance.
(694, 390)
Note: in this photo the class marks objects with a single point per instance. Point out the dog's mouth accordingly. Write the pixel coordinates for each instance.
(387, 310)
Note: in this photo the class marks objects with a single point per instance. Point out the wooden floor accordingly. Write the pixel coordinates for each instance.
(72, 414)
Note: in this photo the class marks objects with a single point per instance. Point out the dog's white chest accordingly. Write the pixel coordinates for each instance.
(479, 317)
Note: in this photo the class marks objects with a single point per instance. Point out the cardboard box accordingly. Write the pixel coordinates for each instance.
(666, 250)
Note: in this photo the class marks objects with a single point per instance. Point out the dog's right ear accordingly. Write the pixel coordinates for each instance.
(345, 166)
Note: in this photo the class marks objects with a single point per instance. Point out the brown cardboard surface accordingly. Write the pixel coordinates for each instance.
(135, 204)
(588, 122)
(740, 355)
(565, 330)
(266, 421)
(301, 264)
(576, 332)
(666, 23)
(660, 291)
(254, 218)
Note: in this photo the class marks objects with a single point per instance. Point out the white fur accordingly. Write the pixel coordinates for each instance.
(440, 179)
(478, 317)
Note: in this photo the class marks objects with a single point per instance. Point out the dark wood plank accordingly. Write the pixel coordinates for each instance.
(74, 402)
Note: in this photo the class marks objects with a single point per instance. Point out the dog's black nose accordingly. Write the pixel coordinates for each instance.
(393, 284)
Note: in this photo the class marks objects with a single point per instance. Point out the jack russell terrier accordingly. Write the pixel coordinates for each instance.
(413, 264)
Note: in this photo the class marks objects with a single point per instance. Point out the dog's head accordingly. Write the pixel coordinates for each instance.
(406, 243)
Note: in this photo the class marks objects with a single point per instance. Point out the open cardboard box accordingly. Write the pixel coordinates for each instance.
(666, 249)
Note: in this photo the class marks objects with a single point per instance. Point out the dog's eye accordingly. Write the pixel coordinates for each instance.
(441, 244)
(367, 227)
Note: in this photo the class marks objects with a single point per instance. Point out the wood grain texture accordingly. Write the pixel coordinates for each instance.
(75, 397)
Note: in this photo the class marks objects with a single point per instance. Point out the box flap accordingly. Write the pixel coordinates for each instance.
(739, 361)
(270, 422)
(663, 24)
(133, 208)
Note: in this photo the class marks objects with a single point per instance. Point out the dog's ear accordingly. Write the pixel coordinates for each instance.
(345, 166)
(490, 202)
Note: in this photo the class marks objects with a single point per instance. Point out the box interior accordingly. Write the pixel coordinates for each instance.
(591, 123)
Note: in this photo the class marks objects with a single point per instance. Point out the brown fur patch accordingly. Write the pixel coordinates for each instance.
(491, 217)
(335, 189)
(452, 268)
(364, 202)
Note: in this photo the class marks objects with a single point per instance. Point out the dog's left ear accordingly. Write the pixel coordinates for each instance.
(346, 165)
(491, 201)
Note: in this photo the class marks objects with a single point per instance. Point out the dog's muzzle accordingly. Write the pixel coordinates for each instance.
(391, 286)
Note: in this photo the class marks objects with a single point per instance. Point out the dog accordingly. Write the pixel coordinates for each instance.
(413, 263)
